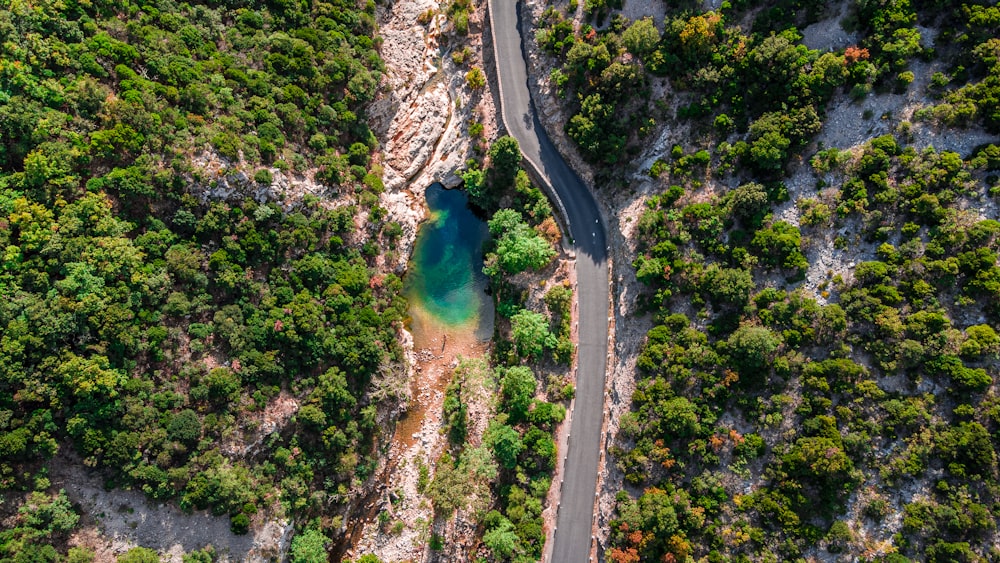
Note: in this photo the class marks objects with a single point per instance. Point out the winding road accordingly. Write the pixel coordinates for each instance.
(581, 217)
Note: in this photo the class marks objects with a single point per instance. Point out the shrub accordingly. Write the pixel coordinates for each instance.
(239, 524)
(308, 547)
(139, 555)
(263, 176)
(475, 79)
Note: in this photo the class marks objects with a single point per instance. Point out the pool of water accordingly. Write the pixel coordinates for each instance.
(445, 283)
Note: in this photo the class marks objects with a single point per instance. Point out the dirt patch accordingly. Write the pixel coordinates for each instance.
(115, 521)
(638, 9)
(255, 426)
(828, 34)
(850, 122)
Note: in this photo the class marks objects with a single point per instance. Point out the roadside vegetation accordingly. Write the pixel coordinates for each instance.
(774, 419)
(504, 476)
(525, 349)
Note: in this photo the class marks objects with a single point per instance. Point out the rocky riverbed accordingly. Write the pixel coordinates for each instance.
(422, 119)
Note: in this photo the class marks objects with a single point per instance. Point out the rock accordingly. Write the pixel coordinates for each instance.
(218, 178)
(414, 135)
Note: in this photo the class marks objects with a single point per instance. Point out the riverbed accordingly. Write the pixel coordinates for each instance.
(451, 316)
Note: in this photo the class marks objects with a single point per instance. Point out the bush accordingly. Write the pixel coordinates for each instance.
(263, 176)
(308, 547)
(239, 524)
(139, 555)
(518, 247)
(185, 427)
(475, 79)
(530, 331)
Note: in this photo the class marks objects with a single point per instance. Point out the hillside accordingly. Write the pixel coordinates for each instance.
(806, 193)
(206, 210)
(190, 223)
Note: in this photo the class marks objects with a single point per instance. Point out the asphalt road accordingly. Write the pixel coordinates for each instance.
(572, 540)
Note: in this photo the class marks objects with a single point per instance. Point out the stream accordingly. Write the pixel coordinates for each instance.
(451, 315)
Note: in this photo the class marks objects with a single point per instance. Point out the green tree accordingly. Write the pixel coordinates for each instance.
(475, 78)
(748, 200)
(530, 331)
(595, 130)
(462, 483)
(203, 555)
(85, 555)
(88, 377)
(502, 540)
(517, 389)
(751, 347)
(185, 427)
(968, 449)
(678, 418)
(223, 385)
(505, 443)
(518, 246)
(781, 245)
(729, 285)
(822, 462)
(239, 524)
(49, 514)
(658, 513)
(35, 553)
(139, 555)
(641, 38)
(308, 547)
(980, 340)
(474, 181)
(769, 151)
(505, 159)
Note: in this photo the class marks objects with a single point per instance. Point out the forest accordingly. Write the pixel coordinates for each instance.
(146, 328)
(773, 419)
(784, 408)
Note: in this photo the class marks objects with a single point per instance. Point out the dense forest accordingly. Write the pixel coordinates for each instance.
(146, 328)
(784, 409)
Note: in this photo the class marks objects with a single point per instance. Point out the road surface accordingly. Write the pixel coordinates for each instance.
(582, 218)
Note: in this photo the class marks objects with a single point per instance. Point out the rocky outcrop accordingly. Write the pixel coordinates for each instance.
(412, 138)
(216, 178)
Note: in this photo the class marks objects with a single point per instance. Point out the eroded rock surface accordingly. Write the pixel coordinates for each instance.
(425, 108)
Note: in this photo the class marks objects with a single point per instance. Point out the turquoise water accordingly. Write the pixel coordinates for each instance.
(445, 281)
